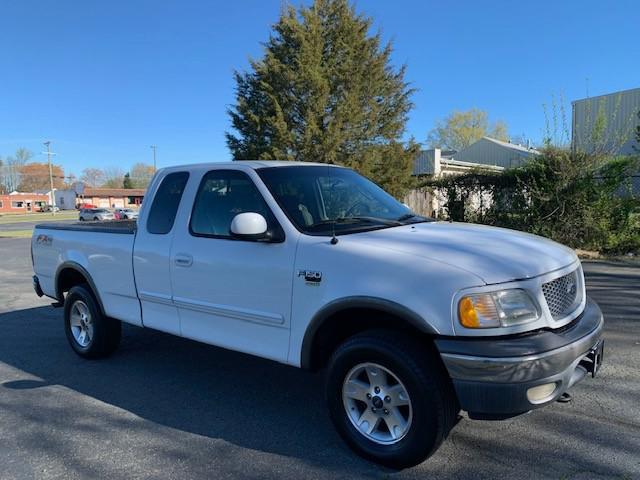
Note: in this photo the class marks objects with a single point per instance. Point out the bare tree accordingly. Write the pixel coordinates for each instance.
(13, 168)
(93, 177)
(3, 188)
(113, 177)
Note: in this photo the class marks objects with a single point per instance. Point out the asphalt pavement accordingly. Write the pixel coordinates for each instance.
(165, 407)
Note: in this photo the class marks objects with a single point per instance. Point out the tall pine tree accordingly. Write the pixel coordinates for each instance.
(325, 91)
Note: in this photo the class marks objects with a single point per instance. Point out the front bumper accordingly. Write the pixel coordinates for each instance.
(491, 376)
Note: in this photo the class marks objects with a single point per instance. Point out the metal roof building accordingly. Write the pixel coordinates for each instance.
(489, 151)
(606, 123)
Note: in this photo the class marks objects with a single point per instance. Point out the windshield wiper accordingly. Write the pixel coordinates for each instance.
(343, 220)
(408, 216)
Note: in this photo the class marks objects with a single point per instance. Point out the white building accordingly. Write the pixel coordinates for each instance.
(65, 199)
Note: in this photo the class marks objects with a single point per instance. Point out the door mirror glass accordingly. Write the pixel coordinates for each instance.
(249, 225)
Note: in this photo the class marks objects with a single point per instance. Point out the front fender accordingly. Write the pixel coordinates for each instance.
(364, 302)
(353, 272)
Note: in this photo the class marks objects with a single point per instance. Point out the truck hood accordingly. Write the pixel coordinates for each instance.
(494, 254)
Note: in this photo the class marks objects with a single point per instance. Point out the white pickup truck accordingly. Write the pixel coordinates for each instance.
(314, 266)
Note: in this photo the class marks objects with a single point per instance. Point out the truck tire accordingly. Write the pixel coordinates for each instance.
(89, 332)
(390, 398)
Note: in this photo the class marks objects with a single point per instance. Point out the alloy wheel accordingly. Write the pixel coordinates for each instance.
(377, 403)
(81, 323)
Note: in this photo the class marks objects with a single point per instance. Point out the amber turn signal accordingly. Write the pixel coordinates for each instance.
(467, 313)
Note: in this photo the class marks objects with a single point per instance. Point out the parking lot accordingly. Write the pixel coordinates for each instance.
(164, 407)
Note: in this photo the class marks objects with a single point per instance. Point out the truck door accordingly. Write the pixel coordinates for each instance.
(229, 292)
(151, 262)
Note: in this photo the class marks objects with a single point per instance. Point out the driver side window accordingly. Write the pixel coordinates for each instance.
(222, 195)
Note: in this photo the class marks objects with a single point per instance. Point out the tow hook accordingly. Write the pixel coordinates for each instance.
(564, 398)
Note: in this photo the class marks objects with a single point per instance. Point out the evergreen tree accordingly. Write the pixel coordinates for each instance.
(325, 91)
(638, 131)
(126, 182)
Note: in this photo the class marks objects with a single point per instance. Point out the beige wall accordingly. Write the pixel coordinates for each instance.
(108, 202)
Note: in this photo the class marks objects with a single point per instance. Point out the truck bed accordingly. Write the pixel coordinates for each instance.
(104, 250)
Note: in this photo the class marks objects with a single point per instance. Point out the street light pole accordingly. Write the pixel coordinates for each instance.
(153, 147)
(53, 197)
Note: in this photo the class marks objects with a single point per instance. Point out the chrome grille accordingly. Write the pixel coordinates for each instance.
(563, 295)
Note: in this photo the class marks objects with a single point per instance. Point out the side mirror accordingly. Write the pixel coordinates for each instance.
(249, 226)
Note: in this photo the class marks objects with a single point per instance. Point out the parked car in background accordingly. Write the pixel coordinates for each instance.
(85, 206)
(95, 214)
(49, 208)
(125, 214)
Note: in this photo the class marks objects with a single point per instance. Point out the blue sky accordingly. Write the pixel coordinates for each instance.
(105, 79)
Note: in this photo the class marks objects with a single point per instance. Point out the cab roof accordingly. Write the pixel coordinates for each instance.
(252, 164)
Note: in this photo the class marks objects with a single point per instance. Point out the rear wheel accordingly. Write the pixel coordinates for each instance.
(389, 398)
(88, 331)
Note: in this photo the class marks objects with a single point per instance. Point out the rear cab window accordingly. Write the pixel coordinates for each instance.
(165, 203)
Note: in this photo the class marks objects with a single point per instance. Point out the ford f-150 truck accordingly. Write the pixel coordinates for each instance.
(314, 266)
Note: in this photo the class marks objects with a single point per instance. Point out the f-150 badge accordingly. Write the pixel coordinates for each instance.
(312, 277)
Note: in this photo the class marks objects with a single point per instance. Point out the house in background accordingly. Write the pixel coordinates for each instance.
(606, 123)
(112, 197)
(100, 197)
(21, 202)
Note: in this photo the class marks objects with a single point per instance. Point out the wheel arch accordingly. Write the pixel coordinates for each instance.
(70, 274)
(347, 316)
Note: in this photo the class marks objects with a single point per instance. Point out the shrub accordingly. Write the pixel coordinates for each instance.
(584, 201)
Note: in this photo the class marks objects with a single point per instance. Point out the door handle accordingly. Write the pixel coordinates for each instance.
(183, 260)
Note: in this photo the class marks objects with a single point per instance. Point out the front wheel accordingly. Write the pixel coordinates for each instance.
(89, 332)
(390, 398)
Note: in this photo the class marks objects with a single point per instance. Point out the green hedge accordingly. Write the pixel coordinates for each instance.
(580, 200)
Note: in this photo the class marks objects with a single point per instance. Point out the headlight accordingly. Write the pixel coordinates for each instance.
(503, 308)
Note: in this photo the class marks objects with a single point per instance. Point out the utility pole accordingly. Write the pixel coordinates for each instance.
(53, 197)
(153, 147)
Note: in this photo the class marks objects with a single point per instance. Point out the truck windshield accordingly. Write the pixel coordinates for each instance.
(320, 200)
